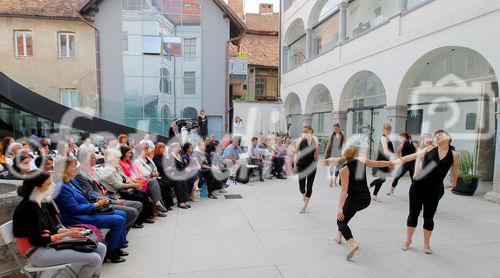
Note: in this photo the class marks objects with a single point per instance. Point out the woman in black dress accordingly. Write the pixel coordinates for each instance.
(306, 160)
(354, 194)
(385, 151)
(428, 187)
(203, 124)
(404, 149)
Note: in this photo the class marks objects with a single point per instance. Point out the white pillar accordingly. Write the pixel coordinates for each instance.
(308, 44)
(343, 21)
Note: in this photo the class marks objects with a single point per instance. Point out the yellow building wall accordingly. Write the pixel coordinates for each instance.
(44, 72)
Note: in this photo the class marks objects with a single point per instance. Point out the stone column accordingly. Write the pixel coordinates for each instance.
(343, 21)
(396, 116)
(494, 195)
(284, 55)
(341, 118)
(307, 119)
(308, 44)
(403, 6)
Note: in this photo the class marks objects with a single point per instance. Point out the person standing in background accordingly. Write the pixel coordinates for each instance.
(203, 124)
(238, 126)
(334, 149)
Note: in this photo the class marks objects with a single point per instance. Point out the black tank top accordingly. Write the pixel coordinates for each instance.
(381, 155)
(434, 170)
(408, 148)
(358, 186)
(306, 157)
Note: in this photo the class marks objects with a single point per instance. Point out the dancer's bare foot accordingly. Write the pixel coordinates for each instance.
(406, 246)
(338, 239)
(427, 249)
(353, 247)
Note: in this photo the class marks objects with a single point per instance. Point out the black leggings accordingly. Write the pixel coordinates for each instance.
(350, 208)
(426, 198)
(306, 178)
(407, 167)
(381, 177)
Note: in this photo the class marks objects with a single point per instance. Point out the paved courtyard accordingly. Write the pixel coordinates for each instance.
(263, 235)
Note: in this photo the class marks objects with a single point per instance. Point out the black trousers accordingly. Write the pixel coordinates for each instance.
(351, 206)
(212, 183)
(166, 192)
(137, 195)
(381, 177)
(258, 163)
(407, 167)
(278, 163)
(181, 190)
(424, 196)
(306, 180)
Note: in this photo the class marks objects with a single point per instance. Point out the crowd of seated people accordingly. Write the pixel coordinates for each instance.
(119, 186)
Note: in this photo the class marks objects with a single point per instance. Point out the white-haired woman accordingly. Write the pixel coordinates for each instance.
(114, 181)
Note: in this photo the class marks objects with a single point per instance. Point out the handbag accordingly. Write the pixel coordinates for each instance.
(87, 245)
(104, 210)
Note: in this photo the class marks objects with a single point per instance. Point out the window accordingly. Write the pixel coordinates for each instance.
(189, 83)
(260, 86)
(165, 86)
(317, 46)
(125, 41)
(67, 45)
(132, 5)
(23, 43)
(69, 97)
(189, 49)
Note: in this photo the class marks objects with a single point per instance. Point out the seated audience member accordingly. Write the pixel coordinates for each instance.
(122, 141)
(175, 172)
(21, 165)
(226, 141)
(147, 141)
(117, 184)
(191, 169)
(91, 185)
(72, 148)
(7, 141)
(231, 156)
(13, 150)
(207, 171)
(256, 157)
(87, 144)
(148, 169)
(150, 186)
(290, 153)
(76, 209)
(35, 226)
(159, 157)
(45, 163)
(278, 158)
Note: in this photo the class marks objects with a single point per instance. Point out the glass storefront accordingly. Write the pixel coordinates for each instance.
(161, 62)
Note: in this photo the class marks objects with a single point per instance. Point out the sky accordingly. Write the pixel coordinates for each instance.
(252, 6)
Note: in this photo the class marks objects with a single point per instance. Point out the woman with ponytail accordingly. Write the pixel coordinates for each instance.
(354, 194)
(428, 187)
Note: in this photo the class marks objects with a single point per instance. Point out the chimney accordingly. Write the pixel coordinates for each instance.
(266, 8)
(238, 7)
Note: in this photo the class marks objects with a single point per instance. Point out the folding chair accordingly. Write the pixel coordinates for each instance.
(27, 269)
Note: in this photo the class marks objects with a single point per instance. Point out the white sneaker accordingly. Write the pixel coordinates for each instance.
(376, 199)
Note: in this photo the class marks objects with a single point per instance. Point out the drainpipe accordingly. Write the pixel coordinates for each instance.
(98, 59)
(226, 94)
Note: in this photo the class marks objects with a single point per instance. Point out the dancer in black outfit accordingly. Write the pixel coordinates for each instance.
(428, 187)
(404, 149)
(306, 158)
(354, 194)
(385, 151)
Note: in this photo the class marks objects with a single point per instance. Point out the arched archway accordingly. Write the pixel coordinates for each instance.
(295, 40)
(364, 99)
(319, 104)
(293, 114)
(324, 22)
(452, 88)
(190, 113)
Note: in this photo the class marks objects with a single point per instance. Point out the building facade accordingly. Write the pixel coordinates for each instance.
(50, 51)
(257, 84)
(365, 63)
(168, 61)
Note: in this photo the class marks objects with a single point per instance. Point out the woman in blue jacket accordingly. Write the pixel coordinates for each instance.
(76, 209)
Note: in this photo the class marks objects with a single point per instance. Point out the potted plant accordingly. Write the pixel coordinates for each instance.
(467, 176)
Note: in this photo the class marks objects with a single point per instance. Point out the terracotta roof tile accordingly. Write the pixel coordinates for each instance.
(41, 8)
(260, 50)
(262, 22)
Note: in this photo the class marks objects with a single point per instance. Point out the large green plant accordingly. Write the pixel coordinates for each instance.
(467, 169)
